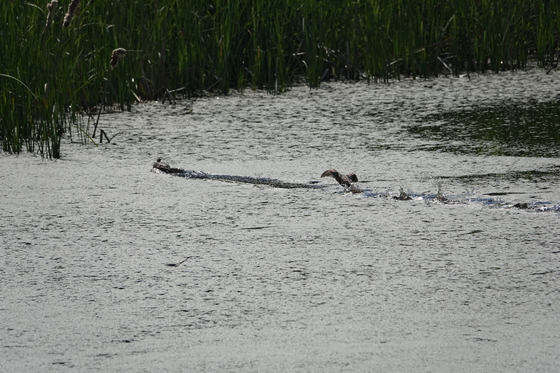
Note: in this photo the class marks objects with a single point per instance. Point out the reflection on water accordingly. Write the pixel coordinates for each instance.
(511, 129)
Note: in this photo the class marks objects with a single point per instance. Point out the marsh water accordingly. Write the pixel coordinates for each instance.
(109, 267)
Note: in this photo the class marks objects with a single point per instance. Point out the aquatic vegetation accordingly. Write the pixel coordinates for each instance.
(57, 58)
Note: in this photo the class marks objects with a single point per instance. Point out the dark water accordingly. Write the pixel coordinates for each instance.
(523, 129)
(108, 267)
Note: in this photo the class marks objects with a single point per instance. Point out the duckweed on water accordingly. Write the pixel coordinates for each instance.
(55, 56)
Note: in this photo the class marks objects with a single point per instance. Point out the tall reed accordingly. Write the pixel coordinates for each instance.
(55, 56)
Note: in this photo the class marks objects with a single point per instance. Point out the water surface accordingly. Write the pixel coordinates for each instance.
(301, 280)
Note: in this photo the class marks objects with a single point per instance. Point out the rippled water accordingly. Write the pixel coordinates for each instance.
(302, 280)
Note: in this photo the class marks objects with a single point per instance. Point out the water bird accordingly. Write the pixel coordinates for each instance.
(344, 180)
(165, 167)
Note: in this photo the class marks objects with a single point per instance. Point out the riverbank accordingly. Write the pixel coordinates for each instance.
(60, 65)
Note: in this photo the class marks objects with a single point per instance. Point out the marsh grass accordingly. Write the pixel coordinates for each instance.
(56, 65)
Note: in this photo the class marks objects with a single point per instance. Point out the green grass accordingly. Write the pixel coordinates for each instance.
(50, 76)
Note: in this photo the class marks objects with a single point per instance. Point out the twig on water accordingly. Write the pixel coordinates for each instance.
(101, 134)
(169, 95)
(181, 262)
(115, 135)
(101, 108)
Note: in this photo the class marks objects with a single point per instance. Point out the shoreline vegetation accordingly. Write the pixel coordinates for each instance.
(63, 62)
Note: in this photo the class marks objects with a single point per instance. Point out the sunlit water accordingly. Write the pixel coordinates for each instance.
(93, 245)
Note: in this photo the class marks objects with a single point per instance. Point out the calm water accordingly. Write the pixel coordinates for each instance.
(294, 280)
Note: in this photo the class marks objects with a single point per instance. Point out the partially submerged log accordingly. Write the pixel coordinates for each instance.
(160, 167)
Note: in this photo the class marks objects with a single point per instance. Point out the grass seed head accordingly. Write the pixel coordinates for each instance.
(51, 7)
(70, 14)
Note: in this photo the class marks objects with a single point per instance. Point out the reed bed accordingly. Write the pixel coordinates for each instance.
(58, 70)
